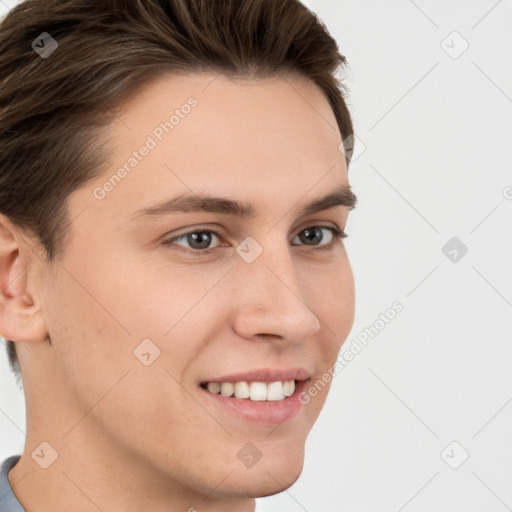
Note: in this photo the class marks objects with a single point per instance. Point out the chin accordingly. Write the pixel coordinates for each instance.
(266, 478)
(277, 484)
(260, 486)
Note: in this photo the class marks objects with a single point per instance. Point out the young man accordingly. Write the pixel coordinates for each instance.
(173, 195)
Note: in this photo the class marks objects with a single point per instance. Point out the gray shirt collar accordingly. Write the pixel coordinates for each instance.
(8, 502)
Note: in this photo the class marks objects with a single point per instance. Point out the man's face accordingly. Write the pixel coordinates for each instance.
(139, 324)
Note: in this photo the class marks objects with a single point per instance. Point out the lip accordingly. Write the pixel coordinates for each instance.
(264, 375)
(262, 413)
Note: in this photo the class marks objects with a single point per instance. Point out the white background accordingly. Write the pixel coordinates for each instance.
(436, 164)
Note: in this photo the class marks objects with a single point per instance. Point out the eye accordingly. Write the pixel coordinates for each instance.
(314, 233)
(199, 240)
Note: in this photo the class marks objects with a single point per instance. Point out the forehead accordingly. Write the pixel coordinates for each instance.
(293, 95)
(265, 136)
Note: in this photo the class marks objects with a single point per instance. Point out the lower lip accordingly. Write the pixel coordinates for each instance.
(267, 413)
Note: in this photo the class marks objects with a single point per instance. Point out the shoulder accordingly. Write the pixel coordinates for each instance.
(8, 502)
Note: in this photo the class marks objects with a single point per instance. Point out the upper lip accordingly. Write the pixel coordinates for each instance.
(264, 375)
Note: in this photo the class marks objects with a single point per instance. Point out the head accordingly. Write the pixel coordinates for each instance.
(119, 302)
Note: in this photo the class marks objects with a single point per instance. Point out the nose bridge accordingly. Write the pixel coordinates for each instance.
(270, 300)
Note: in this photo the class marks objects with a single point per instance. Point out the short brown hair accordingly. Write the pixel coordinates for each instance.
(52, 109)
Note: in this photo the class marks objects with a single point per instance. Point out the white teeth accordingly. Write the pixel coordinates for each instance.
(275, 391)
(256, 391)
(213, 387)
(288, 387)
(242, 390)
(227, 389)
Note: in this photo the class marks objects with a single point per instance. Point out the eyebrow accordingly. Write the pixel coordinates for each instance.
(204, 202)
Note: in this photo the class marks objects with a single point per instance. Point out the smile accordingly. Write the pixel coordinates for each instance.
(266, 396)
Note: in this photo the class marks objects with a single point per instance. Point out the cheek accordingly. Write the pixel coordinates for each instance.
(91, 346)
(108, 384)
(120, 317)
(92, 313)
(334, 301)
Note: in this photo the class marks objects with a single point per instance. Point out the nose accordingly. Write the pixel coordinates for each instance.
(271, 303)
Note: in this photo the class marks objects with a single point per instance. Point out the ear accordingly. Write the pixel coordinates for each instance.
(21, 317)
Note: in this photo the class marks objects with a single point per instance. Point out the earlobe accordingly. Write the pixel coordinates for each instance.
(21, 318)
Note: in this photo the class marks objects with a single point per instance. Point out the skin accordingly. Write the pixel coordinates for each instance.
(131, 437)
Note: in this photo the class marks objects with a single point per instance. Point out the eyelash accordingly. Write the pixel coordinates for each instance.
(337, 233)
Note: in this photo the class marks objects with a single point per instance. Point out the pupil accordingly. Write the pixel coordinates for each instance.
(202, 238)
(316, 234)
